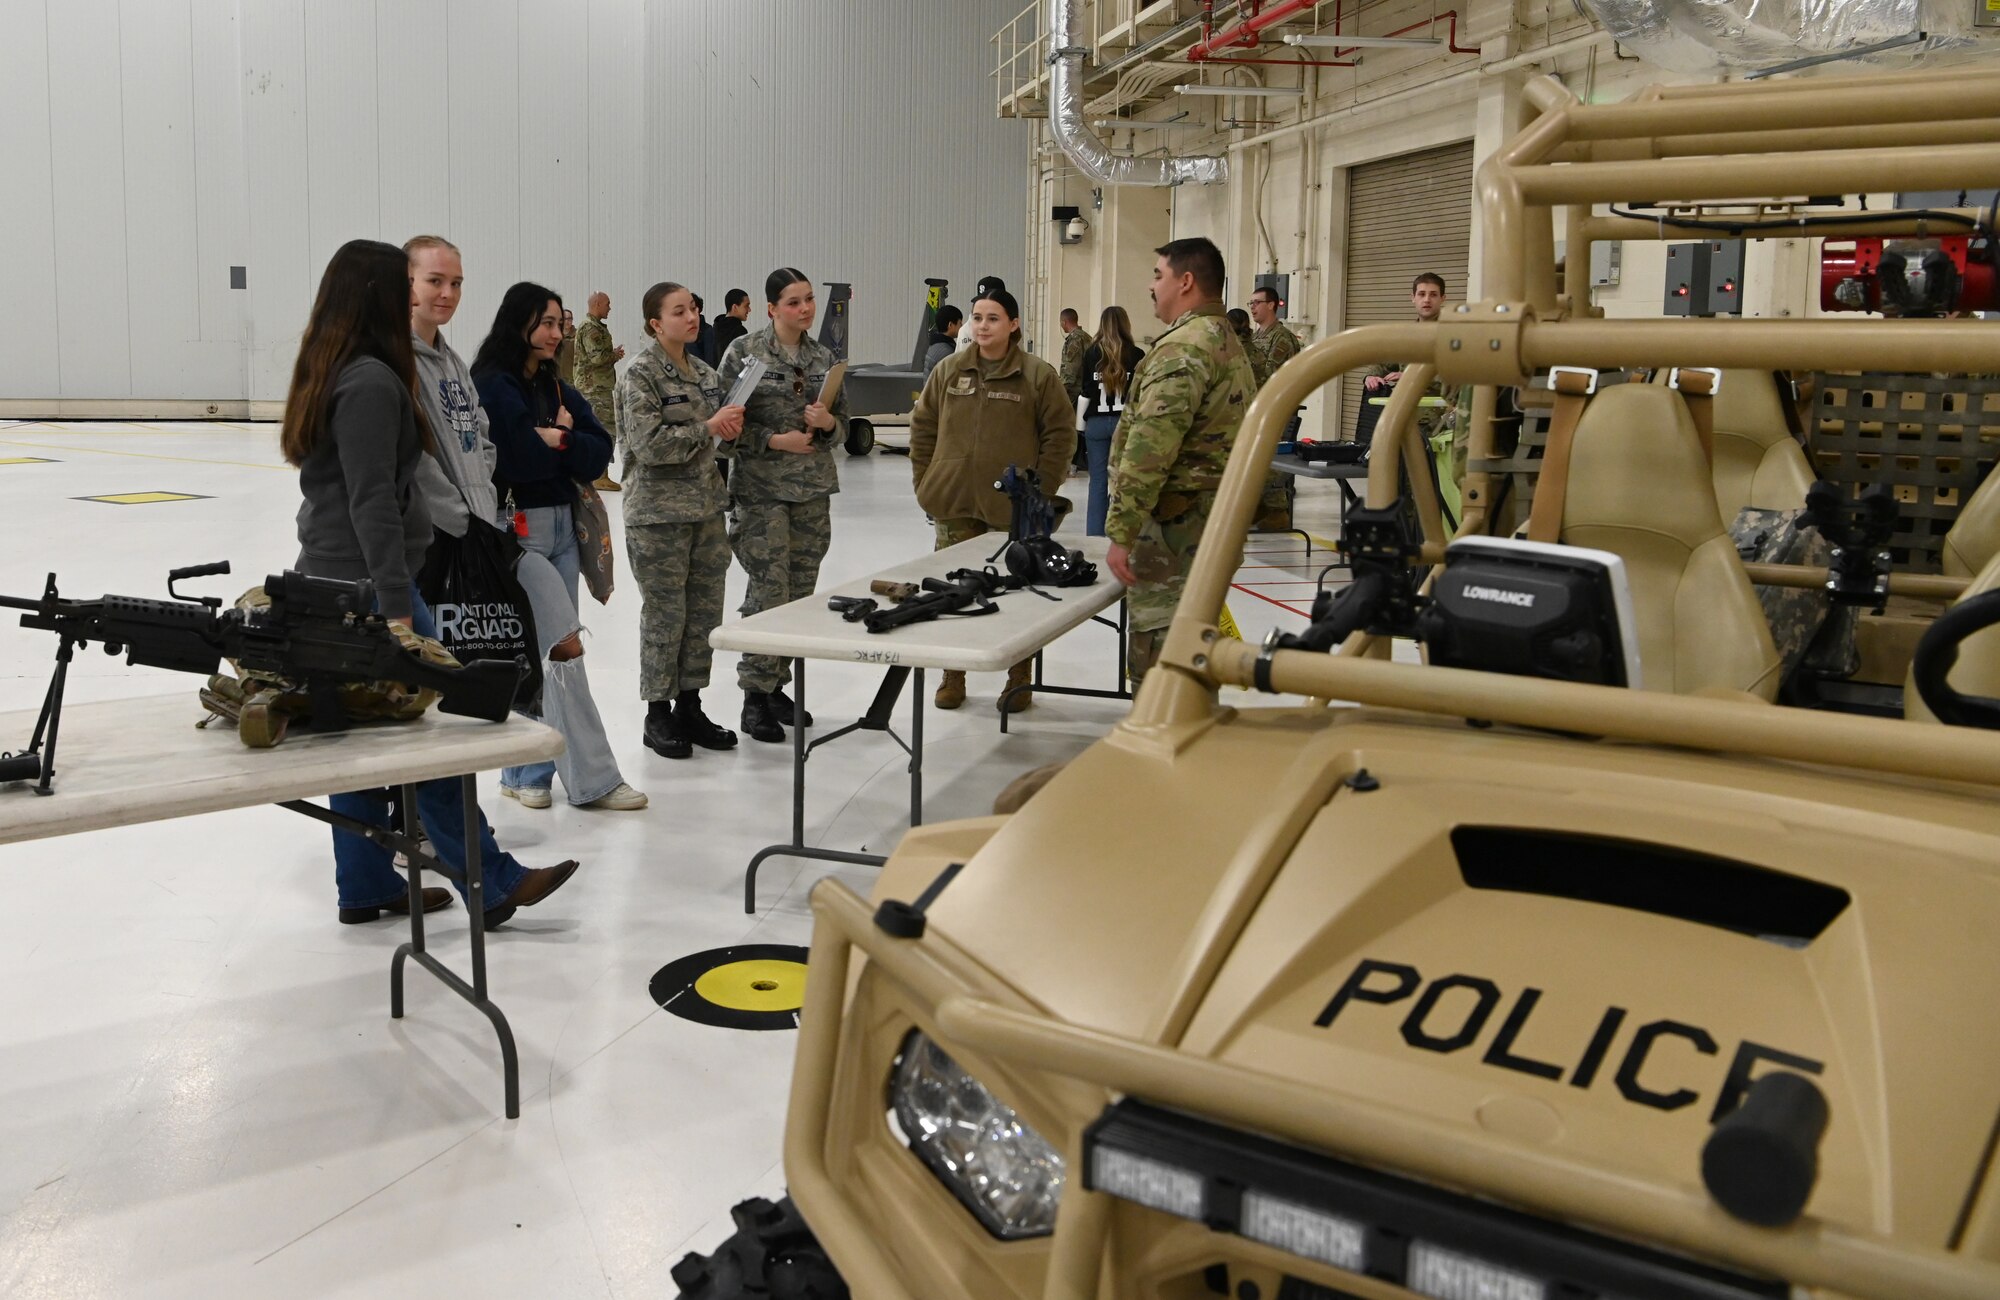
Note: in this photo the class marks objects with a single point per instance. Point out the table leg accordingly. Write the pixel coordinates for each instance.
(475, 992)
(878, 718)
(1041, 687)
(917, 752)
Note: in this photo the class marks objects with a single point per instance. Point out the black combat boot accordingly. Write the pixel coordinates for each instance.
(661, 736)
(786, 712)
(693, 727)
(759, 722)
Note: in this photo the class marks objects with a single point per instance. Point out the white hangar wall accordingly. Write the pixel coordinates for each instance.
(154, 145)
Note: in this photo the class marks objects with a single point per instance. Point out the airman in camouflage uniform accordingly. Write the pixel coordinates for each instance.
(780, 518)
(1186, 405)
(674, 533)
(1076, 341)
(596, 375)
(1270, 347)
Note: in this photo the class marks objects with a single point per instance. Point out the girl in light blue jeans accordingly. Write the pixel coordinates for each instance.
(548, 573)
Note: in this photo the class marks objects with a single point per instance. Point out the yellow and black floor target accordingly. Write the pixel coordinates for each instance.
(754, 986)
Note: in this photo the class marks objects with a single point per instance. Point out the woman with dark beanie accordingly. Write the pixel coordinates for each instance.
(546, 439)
(353, 427)
(781, 491)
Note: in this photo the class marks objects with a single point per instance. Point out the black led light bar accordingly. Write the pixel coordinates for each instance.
(1426, 1240)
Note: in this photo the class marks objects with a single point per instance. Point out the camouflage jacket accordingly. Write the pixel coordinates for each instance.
(779, 405)
(566, 358)
(595, 358)
(670, 471)
(1271, 348)
(1187, 402)
(1431, 420)
(1075, 344)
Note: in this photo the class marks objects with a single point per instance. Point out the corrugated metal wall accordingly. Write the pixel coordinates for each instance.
(1405, 216)
(588, 144)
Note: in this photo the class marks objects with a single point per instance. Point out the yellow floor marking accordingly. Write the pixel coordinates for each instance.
(760, 985)
(144, 498)
(144, 455)
(27, 460)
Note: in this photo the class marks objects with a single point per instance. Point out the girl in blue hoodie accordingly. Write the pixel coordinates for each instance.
(546, 438)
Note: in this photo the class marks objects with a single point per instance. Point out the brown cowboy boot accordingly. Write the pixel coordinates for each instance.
(951, 690)
(1021, 674)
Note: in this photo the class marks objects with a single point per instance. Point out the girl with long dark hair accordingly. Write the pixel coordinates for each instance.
(780, 493)
(547, 440)
(354, 428)
(1108, 364)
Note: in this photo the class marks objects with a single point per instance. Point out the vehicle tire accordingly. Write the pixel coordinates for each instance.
(860, 437)
(772, 1255)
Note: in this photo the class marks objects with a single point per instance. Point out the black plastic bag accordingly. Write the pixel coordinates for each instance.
(480, 609)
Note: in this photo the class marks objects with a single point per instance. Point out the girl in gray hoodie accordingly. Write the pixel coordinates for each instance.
(457, 485)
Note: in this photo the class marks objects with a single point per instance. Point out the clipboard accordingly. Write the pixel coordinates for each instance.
(746, 383)
(829, 392)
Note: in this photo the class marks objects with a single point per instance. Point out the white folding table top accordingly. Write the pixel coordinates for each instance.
(986, 643)
(121, 762)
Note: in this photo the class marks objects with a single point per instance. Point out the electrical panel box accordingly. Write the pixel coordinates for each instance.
(1687, 279)
(1607, 258)
(1280, 285)
(1725, 278)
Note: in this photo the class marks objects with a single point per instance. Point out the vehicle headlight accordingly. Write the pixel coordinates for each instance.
(1006, 1173)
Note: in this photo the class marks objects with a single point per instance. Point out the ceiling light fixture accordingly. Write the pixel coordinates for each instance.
(1335, 41)
(1265, 92)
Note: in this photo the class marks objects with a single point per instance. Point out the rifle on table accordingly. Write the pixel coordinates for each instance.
(318, 634)
(962, 592)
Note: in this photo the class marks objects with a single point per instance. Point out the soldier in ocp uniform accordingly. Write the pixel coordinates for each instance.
(670, 404)
(1271, 346)
(1075, 341)
(1427, 299)
(780, 491)
(596, 378)
(1186, 405)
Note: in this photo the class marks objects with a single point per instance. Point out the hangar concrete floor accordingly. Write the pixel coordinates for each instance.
(201, 1093)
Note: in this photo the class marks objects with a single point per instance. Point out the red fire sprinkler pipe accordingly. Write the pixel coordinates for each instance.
(1243, 34)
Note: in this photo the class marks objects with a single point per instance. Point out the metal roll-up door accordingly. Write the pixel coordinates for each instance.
(1405, 215)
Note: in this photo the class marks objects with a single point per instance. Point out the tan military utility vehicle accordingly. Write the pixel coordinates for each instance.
(1569, 964)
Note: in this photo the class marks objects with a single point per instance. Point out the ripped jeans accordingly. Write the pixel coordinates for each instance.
(548, 573)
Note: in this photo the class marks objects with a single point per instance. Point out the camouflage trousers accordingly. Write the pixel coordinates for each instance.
(681, 570)
(779, 544)
(950, 532)
(606, 410)
(1161, 558)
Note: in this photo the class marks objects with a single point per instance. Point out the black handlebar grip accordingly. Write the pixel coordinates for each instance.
(1762, 1160)
(198, 571)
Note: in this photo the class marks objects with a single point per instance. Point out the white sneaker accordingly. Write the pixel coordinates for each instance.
(622, 799)
(529, 796)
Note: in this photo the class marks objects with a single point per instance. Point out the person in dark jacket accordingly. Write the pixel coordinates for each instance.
(944, 337)
(708, 341)
(1108, 364)
(729, 326)
(354, 428)
(546, 440)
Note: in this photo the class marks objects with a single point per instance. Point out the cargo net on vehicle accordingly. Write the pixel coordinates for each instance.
(1932, 438)
(1943, 439)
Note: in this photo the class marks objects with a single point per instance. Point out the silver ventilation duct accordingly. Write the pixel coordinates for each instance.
(1082, 145)
(1711, 37)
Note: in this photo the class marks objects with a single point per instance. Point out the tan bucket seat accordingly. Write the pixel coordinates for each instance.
(1758, 460)
(1974, 538)
(1638, 487)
